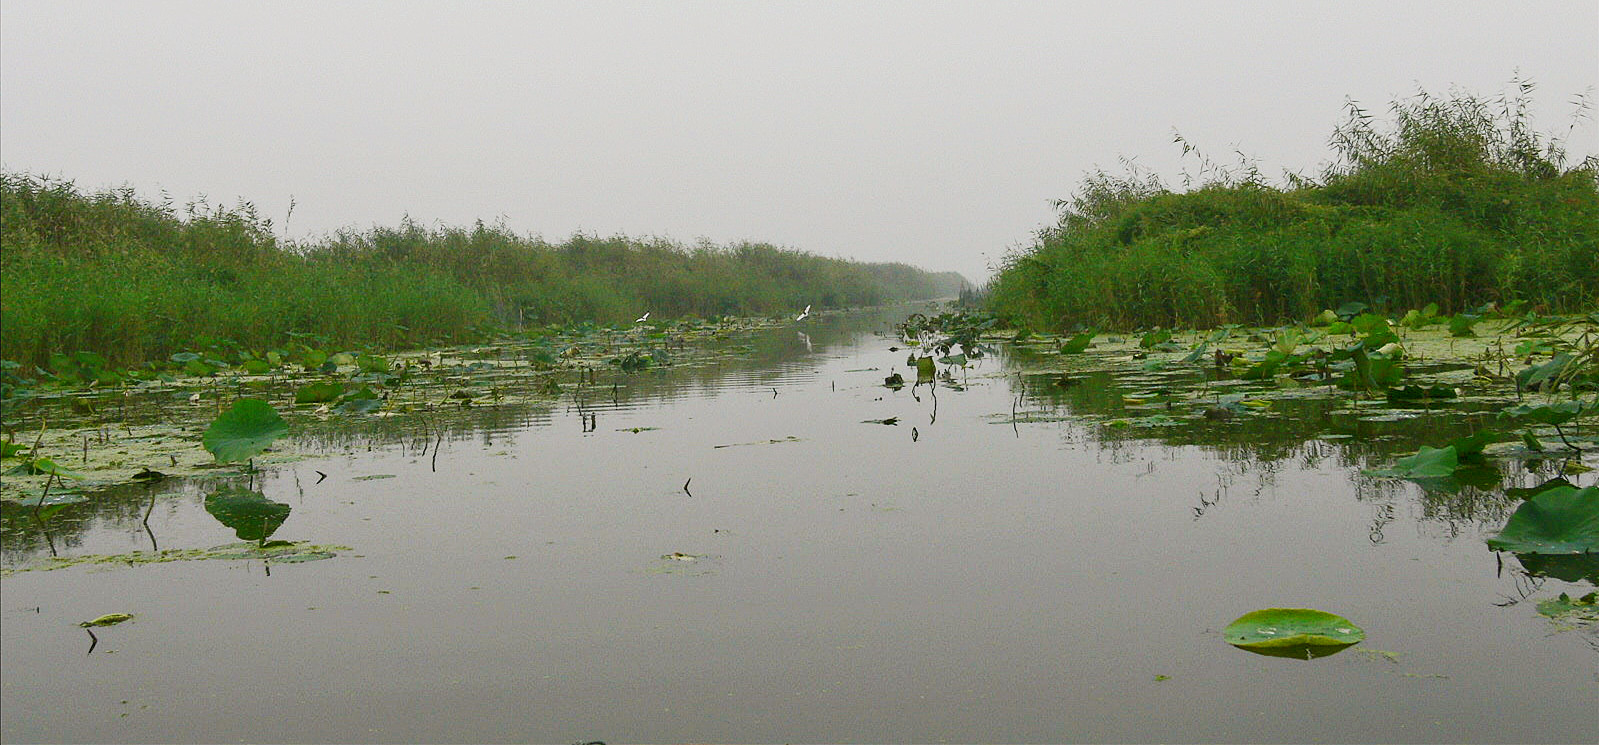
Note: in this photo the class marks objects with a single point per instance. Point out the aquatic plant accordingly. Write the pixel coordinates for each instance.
(244, 431)
(1301, 633)
(1559, 520)
(1456, 205)
(130, 281)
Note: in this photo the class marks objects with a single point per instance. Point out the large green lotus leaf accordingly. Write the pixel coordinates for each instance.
(250, 514)
(1562, 520)
(242, 432)
(1427, 463)
(1292, 632)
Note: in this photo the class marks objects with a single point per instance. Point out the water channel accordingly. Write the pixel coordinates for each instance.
(739, 553)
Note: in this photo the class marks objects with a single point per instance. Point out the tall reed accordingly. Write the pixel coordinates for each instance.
(133, 280)
(1457, 201)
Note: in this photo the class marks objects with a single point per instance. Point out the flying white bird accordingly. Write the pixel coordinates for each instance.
(803, 315)
(643, 318)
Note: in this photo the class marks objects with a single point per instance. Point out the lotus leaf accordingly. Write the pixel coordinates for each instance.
(1427, 463)
(1470, 447)
(1560, 520)
(44, 467)
(244, 431)
(1534, 377)
(1461, 325)
(1534, 491)
(1292, 632)
(1078, 343)
(109, 619)
(316, 393)
(1572, 610)
(250, 514)
(1349, 310)
(53, 499)
(1421, 393)
(372, 363)
(1550, 414)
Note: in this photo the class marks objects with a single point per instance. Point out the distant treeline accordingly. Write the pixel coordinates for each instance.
(1459, 202)
(133, 280)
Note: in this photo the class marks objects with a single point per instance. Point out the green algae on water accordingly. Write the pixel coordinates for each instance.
(276, 552)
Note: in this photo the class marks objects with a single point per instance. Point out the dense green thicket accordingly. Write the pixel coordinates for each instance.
(133, 281)
(1459, 203)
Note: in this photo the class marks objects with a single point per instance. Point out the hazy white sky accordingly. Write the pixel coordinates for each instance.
(931, 133)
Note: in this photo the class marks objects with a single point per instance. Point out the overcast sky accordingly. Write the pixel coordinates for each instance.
(931, 133)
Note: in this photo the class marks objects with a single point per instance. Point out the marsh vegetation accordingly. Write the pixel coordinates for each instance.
(1456, 201)
(1014, 522)
(133, 281)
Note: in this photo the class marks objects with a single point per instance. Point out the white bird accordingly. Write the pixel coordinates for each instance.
(643, 318)
(802, 316)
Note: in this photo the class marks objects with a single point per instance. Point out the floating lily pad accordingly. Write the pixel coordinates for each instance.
(1570, 611)
(244, 431)
(109, 619)
(1560, 520)
(52, 499)
(1292, 632)
(278, 552)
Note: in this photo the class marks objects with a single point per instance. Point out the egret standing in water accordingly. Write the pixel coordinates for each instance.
(802, 316)
(643, 318)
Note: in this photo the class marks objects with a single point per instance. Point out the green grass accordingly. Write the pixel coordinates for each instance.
(135, 281)
(1459, 203)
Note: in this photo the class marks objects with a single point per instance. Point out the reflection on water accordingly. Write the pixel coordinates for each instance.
(744, 551)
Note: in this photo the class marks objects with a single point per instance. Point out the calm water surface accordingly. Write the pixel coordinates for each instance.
(953, 577)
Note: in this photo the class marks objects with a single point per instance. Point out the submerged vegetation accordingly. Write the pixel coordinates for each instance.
(126, 281)
(1459, 203)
